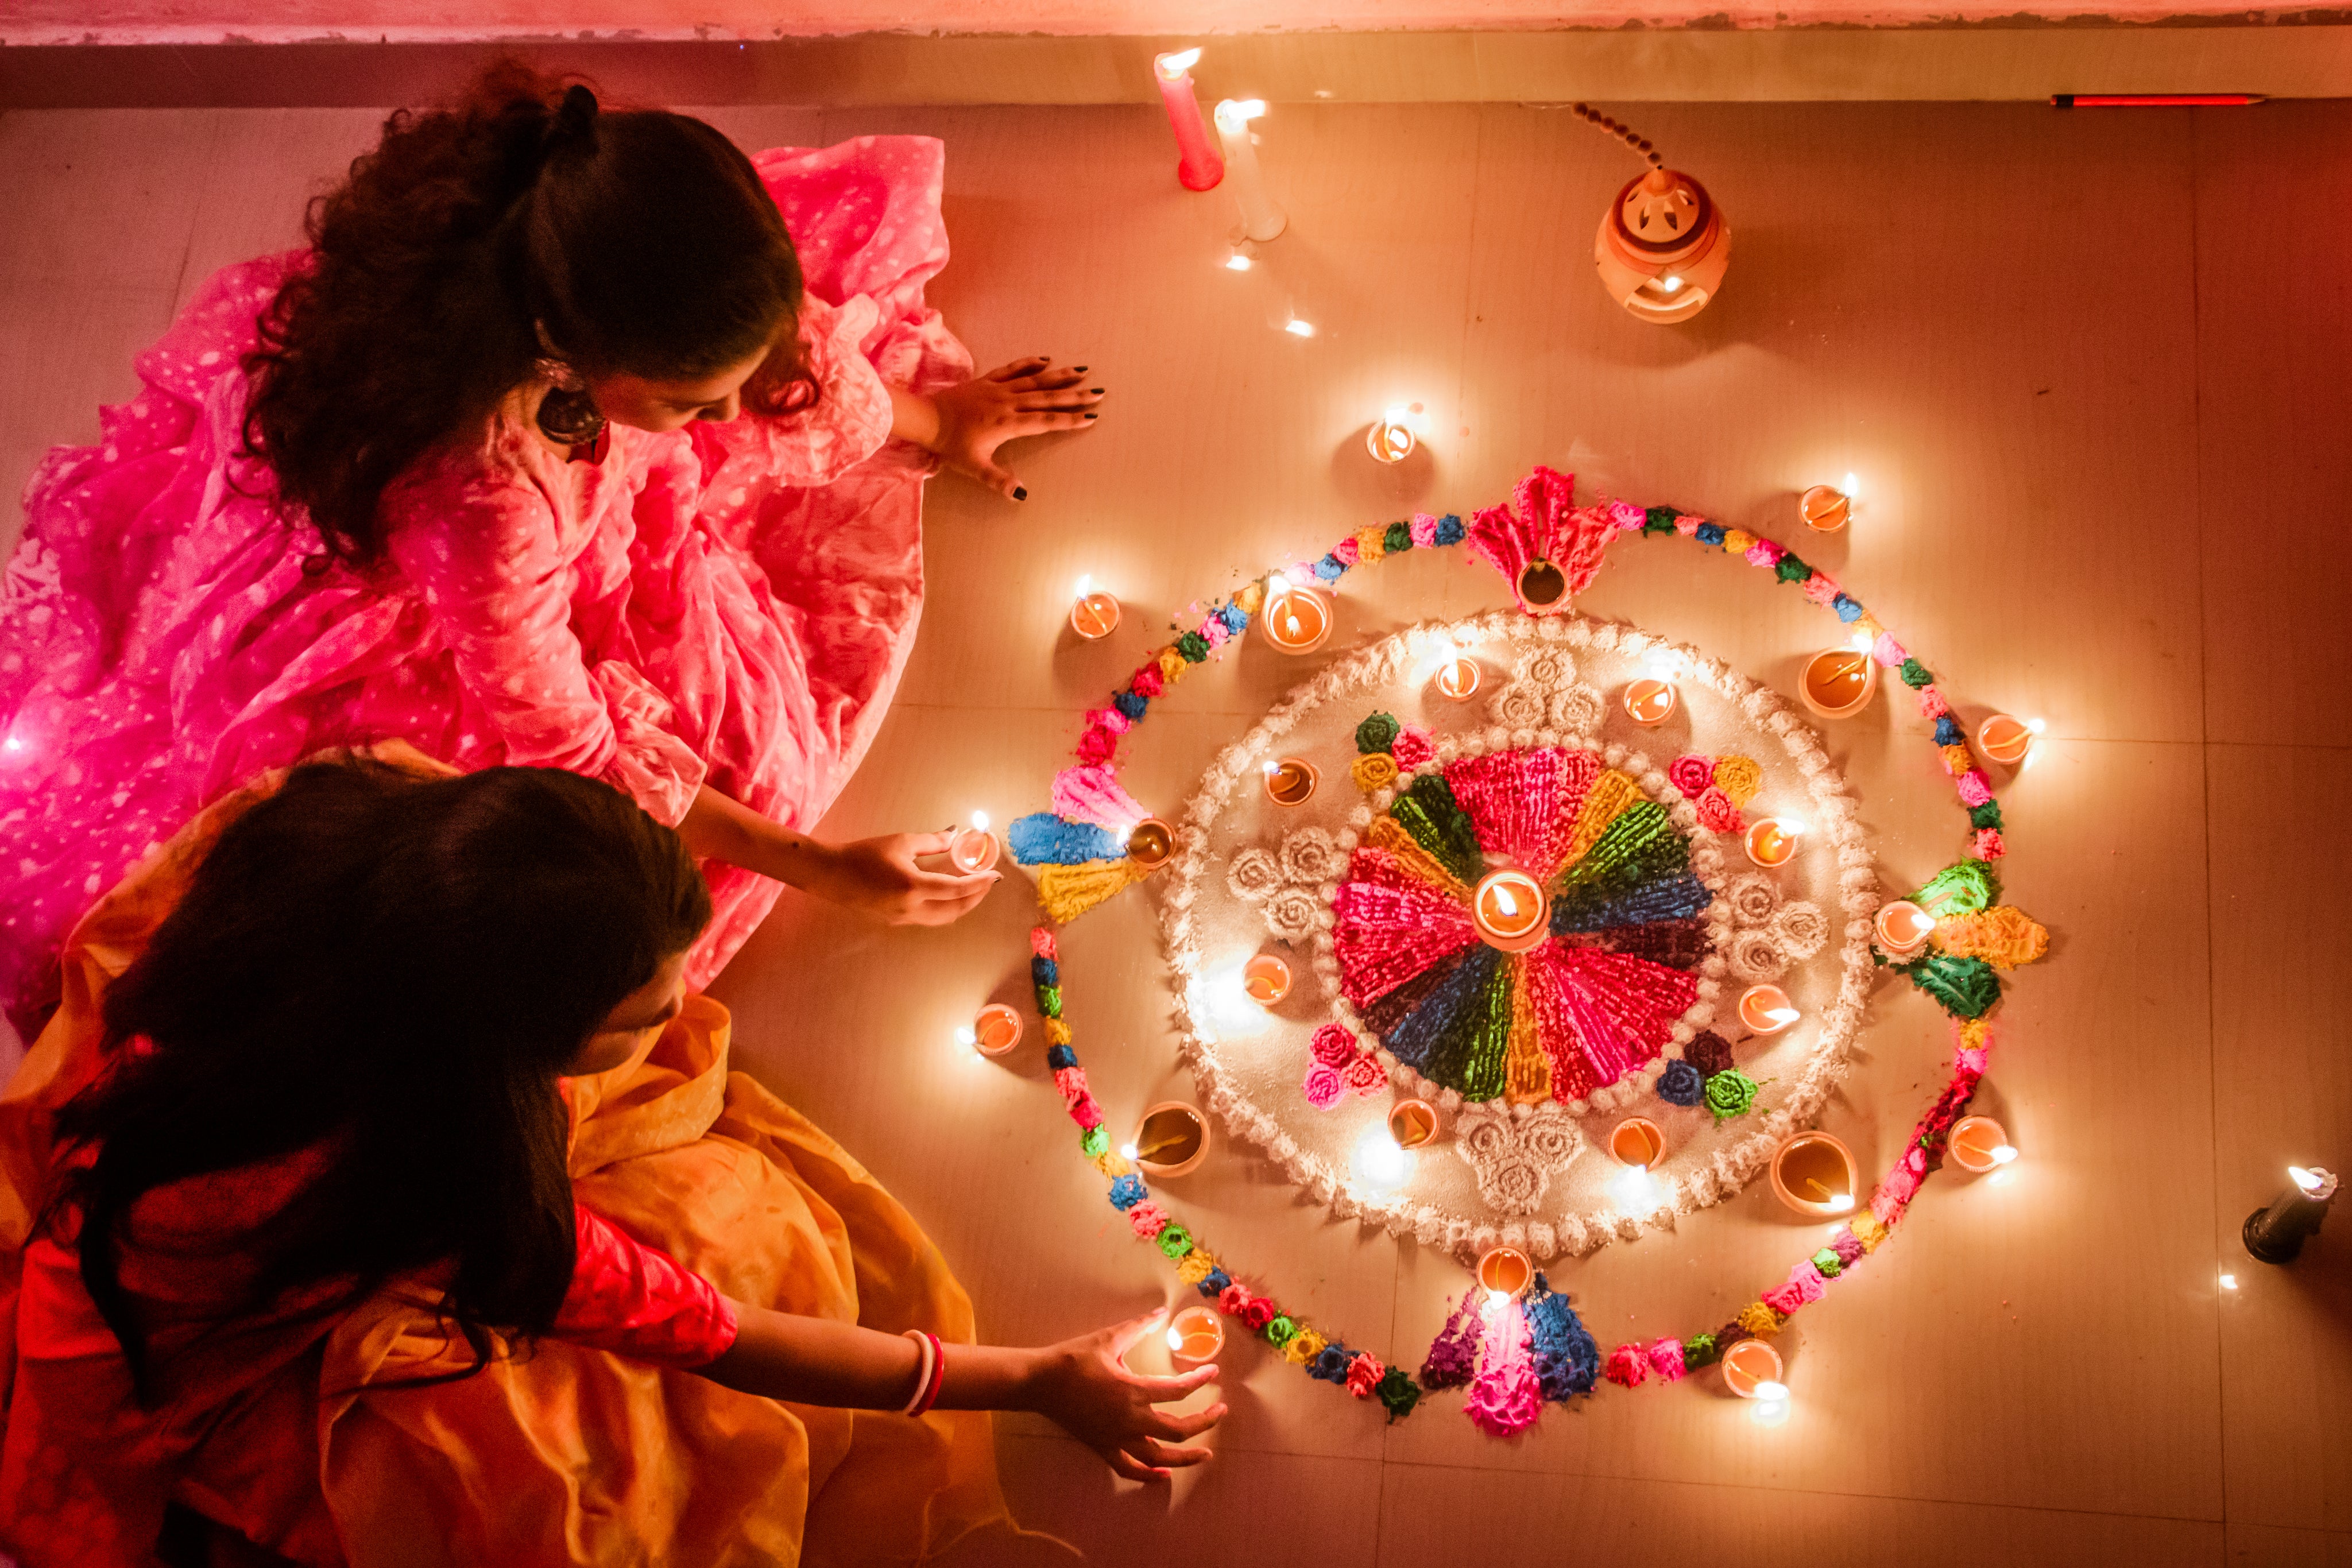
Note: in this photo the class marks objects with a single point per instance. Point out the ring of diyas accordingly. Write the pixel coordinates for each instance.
(1657, 923)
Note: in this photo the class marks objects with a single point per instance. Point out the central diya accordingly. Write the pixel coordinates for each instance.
(1505, 919)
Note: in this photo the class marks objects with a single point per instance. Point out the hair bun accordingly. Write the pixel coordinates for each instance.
(574, 117)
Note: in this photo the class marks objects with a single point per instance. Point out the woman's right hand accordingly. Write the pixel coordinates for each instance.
(881, 876)
(1084, 1385)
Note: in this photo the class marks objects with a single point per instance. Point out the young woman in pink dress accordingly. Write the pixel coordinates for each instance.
(574, 439)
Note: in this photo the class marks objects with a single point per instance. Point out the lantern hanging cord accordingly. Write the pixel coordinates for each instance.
(1632, 138)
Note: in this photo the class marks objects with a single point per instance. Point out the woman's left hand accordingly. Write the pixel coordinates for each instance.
(1027, 397)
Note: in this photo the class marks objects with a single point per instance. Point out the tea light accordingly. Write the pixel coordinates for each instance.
(1773, 840)
(2276, 1234)
(1978, 1144)
(1637, 1140)
(1764, 1009)
(1262, 219)
(1194, 1335)
(1391, 440)
(1197, 163)
(1295, 619)
(1171, 1140)
(1150, 843)
(1650, 702)
(1458, 678)
(1748, 1365)
(2005, 739)
(996, 1029)
(1904, 928)
(973, 848)
(1093, 613)
(1289, 781)
(1412, 1122)
(1815, 1174)
(1838, 682)
(1504, 1272)
(1511, 911)
(1380, 1162)
(1267, 978)
(1825, 508)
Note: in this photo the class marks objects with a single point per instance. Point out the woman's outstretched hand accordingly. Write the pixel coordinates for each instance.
(882, 876)
(1027, 397)
(1084, 1385)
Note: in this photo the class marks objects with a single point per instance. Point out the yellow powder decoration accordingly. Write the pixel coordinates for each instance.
(2003, 937)
(1739, 778)
(1069, 890)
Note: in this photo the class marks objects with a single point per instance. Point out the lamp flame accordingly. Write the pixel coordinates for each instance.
(2309, 1181)
(2003, 1154)
(1782, 1015)
(1504, 903)
(1086, 585)
(979, 821)
(1237, 262)
(1176, 65)
(1298, 328)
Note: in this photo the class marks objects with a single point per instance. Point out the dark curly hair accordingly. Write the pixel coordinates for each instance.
(641, 241)
(395, 970)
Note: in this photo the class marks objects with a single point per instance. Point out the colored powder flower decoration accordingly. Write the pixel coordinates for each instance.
(1365, 1076)
(1682, 1084)
(1454, 1354)
(1691, 775)
(1730, 1093)
(1333, 1046)
(1627, 1365)
(1377, 733)
(1323, 1086)
(1373, 770)
(1364, 1374)
(1414, 746)
(1717, 814)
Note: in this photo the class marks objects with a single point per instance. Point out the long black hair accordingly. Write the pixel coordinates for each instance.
(642, 241)
(393, 970)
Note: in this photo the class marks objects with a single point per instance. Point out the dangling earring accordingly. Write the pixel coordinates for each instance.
(567, 413)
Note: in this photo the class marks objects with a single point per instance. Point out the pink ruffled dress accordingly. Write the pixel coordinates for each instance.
(728, 604)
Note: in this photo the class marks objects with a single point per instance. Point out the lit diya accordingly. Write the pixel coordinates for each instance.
(1637, 1140)
(1290, 781)
(1194, 1335)
(1815, 1174)
(1295, 619)
(1650, 702)
(1458, 678)
(1267, 978)
(1150, 842)
(1978, 1144)
(1171, 1140)
(1093, 613)
(1903, 929)
(2005, 739)
(1766, 1009)
(1511, 911)
(1751, 1365)
(1838, 682)
(1505, 1272)
(1412, 1122)
(995, 1030)
(1772, 841)
(1825, 508)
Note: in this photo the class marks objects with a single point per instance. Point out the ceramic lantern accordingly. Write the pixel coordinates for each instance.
(1663, 246)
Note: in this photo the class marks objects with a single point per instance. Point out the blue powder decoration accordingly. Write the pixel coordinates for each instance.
(1711, 533)
(1233, 617)
(1567, 1360)
(1329, 569)
(1130, 704)
(1949, 732)
(1126, 1193)
(1043, 839)
(1449, 529)
(1058, 1057)
(1214, 1283)
(1045, 972)
(1848, 611)
(1331, 1364)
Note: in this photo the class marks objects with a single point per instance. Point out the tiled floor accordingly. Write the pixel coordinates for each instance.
(2090, 371)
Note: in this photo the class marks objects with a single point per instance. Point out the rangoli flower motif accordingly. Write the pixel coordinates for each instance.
(1514, 1156)
(1595, 1001)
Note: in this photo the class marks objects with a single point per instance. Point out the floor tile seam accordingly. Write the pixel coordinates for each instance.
(1827, 1492)
(2195, 120)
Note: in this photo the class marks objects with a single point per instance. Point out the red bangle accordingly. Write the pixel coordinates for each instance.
(930, 1394)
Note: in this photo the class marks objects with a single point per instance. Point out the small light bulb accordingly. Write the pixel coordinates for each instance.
(1237, 262)
(1298, 328)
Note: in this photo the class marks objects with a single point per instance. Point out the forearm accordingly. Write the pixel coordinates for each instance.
(914, 418)
(720, 829)
(813, 1361)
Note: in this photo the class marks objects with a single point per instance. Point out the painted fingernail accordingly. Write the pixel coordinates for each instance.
(1097, 390)
(1078, 370)
(1019, 492)
(1094, 416)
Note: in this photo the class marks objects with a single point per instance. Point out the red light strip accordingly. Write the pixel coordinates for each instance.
(2153, 99)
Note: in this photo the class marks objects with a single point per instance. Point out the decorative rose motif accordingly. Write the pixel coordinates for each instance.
(1755, 955)
(1365, 1076)
(1253, 875)
(1753, 898)
(1255, 1313)
(1414, 746)
(1739, 778)
(1334, 1047)
(1290, 914)
(1691, 774)
(1323, 1085)
(1311, 855)
(1800, 929)
(1373, 770)
(1549, 669)
(1519, 707)
(1364, 1374)
(1717, 814)
(1574, 709)
(1514, 1159)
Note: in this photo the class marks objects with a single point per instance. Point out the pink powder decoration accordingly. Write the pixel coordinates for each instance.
(1505, 1396)
(1424, 531)
(1971, 1062)
(1626, 516)
(1385, 936)
(1987, 844)
(1627, 1365)
(1513, 799)
(1691, 774)
(1687, 526)
(1763, 552)
(1091, 793)
(1348, 552)
(1717, 814)
(1108, 718)
(1365, 1076)
(1213, 632)
(1233, 1298)
(1542, 523)
(1256, 1312)
(1667, 1358)
(1097, 745)
(1333, 1046)
(1932, 703)
(1322, 1086)
(1821, 588)
(1887, 651)
(1807, 1279)
(1149, 1219)
(1412, 746)
(1783, 1299)
(1364, 1374)
(1148, 682)
(1084, 1111)
(1042, 943)
(1072, 1083)
(1974, 787)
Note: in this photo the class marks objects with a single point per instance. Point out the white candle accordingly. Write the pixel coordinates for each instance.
(1261, 219)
